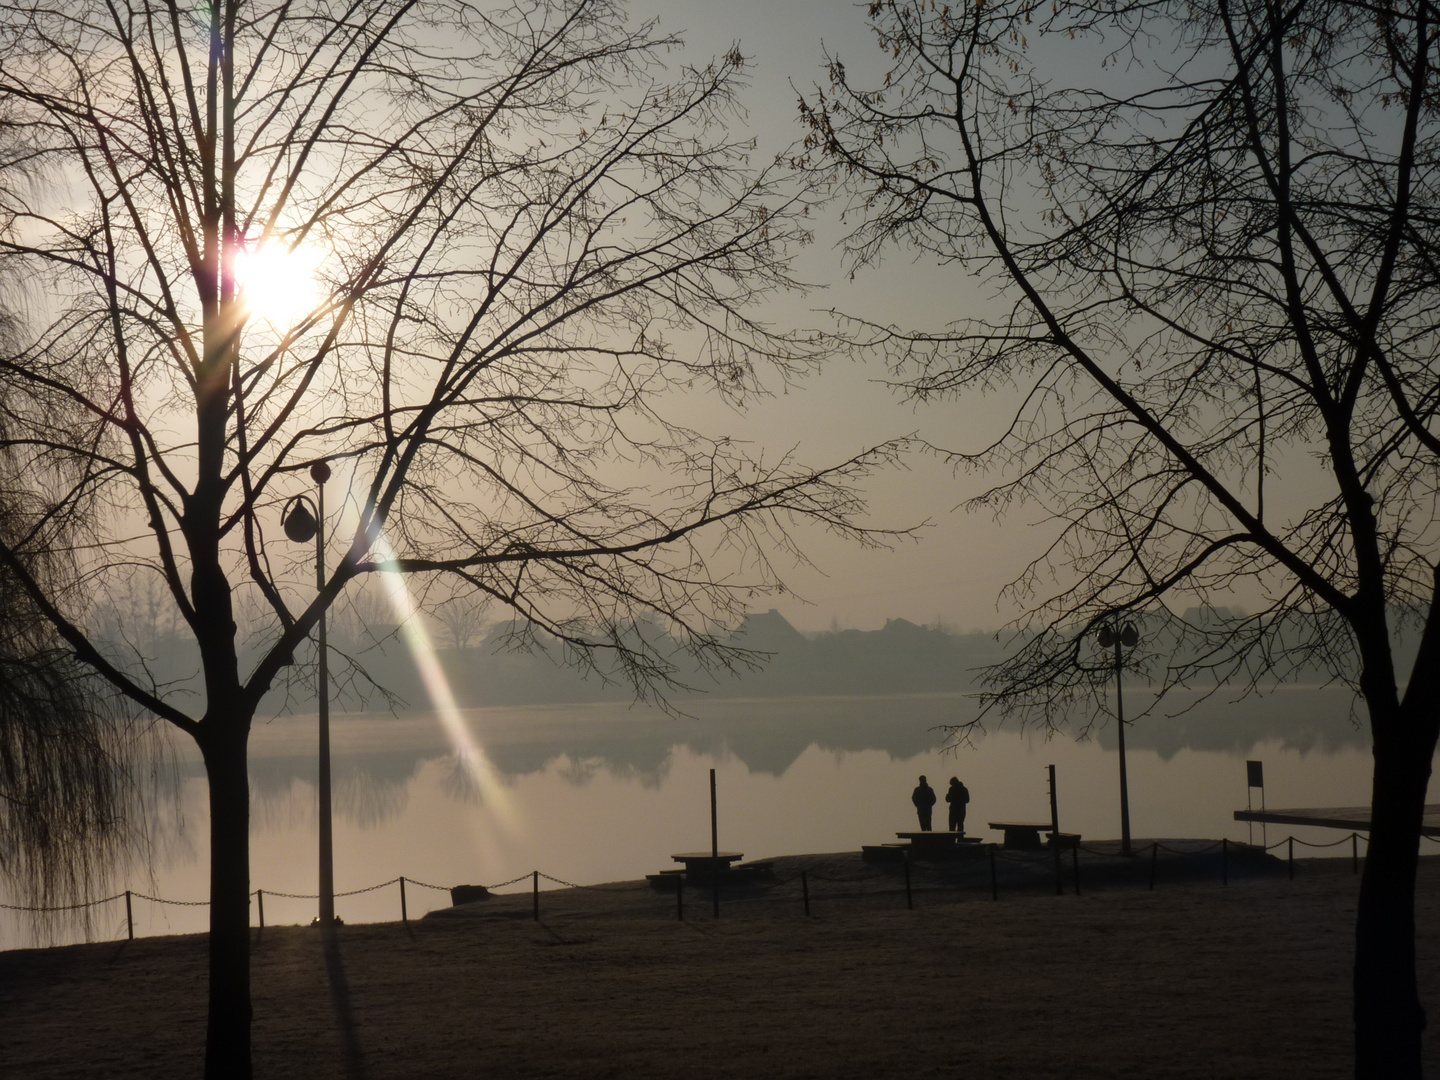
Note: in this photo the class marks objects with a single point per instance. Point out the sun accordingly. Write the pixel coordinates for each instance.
(278, 283)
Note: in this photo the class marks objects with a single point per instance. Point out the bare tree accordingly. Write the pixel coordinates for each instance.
(1215, 225)
(463, 617)
(527, 238)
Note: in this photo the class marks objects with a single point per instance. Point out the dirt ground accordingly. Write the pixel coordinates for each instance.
(1194, 979)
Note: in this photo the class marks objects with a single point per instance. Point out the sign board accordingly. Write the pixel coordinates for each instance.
(1255, 773)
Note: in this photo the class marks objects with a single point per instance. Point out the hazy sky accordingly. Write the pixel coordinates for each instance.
(955, 573)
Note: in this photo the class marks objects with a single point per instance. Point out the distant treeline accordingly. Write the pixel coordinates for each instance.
(899, 658)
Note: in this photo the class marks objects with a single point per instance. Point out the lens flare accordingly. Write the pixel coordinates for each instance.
(471, 754)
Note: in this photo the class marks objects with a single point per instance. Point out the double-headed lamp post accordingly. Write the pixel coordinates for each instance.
(301, 525)
(1127, 636)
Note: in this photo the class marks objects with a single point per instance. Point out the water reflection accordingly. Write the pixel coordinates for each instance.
(1299, 718)
(604, 792)
(375, 759)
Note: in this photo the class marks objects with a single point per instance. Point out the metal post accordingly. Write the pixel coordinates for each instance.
(129, 919)
(714, 850)
(1291, 859)
(1059, 880)
(805, 891)
(535, 875)
(1224, 861)
(1354, 853)
(994, 885)
(1075, 864)
(260, 900)
(1124, 784)
(404, 914)
(1054, 805)
(1154, 858)
(909, 897)
(320, 472)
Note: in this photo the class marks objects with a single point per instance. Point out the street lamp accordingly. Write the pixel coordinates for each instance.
(300, 525)
(1128, 637)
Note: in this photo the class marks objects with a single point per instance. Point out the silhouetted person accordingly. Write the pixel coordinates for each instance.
(924, 799)
(958, 797)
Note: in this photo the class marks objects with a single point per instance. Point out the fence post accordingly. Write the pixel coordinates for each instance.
(680, 897)
(1354, 853)
(404, 913)
(260, 899)
(994, 885)
(1154, 858)
(805, 891)
(1059, 881)
(129, 919)
(535, 875)
(909, 897)
(1075, 864)
(1291, 859)
(1224, 861)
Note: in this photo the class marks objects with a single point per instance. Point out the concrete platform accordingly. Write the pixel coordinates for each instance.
(1348, 818)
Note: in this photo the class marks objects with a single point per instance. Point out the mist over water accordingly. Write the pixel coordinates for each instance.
(606, 791)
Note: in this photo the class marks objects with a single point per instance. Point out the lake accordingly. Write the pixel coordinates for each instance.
(606, 792)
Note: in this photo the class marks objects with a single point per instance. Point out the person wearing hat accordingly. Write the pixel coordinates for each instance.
(958, 797)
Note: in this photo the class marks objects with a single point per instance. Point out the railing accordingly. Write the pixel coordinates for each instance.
(995, 857)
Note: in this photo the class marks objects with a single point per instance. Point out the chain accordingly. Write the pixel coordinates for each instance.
(368, 888)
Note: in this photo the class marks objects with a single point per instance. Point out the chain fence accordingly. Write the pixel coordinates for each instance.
(762, 883)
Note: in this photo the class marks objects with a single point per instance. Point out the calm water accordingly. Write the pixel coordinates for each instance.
(603, 792)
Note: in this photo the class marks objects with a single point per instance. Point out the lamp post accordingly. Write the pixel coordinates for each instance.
(301, 525)
(1128, 637)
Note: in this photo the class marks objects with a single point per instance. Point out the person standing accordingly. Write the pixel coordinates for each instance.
(924, 799)
(958, 797)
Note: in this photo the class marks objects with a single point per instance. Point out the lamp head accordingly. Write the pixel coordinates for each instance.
(1126, 635)
(298, 522)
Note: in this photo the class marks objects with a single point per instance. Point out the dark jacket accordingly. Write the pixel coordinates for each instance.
(923, 796)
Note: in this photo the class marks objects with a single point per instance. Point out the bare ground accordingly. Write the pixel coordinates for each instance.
(1194, 979)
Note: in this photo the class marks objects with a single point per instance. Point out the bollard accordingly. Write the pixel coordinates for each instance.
(1354, 853)
(994, 885)
(680, 897)
(1224, 861)
(909, 897)
(129, 919)
(1075, 863)
(805, 891)
(1059, 880)
(535, 874)
(404, 914)
(260, 900)
(1154, 858)
(1291, 859)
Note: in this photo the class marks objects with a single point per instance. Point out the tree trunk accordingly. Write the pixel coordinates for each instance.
(1389, 1019)
(227, 1038)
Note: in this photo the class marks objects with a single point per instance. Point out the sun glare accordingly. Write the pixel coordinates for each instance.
(278, 283)
(468, 750)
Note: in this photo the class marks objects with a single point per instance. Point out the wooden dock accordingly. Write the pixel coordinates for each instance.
(1348, 818)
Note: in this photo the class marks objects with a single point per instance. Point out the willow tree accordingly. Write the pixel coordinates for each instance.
(1213, 225)
(68, 759)
(525, 240)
